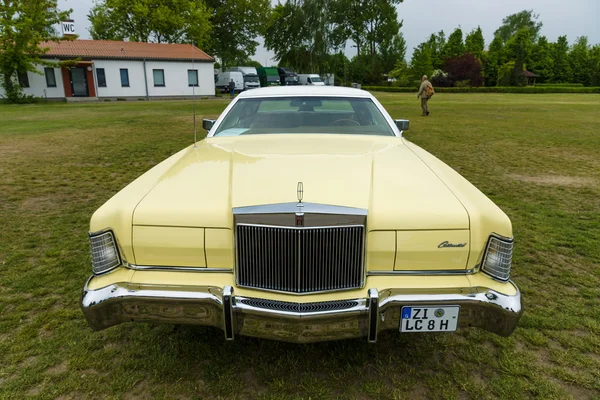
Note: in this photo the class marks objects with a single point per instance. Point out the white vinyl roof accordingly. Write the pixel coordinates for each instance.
(305, 90)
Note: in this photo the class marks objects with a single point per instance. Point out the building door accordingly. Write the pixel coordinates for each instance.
(79, 84)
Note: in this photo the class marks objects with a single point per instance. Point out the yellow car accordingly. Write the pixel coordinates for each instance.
(304, 216)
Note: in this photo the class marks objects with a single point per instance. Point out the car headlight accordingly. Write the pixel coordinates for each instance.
(105, 255)
(498, 258)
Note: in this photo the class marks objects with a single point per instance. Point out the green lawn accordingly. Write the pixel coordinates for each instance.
(537, 156)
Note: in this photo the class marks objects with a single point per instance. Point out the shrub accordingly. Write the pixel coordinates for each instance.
(464, 68)
(560, 84)
(490, 89)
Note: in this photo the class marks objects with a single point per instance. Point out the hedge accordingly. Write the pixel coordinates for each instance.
(491, 89)
(559, 84)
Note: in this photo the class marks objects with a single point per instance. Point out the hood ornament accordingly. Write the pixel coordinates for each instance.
(300, 206)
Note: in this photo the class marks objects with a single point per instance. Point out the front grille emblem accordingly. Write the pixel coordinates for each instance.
(300, 206)
(300, 192)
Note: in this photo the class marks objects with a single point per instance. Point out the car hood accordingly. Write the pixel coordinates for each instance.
(380, 174)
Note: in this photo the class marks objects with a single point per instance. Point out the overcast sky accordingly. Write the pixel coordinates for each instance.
(423, 17)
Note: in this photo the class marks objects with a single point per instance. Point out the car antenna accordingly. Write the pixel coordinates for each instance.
(194, 94)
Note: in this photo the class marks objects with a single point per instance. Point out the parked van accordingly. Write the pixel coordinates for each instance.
(310, 79)
(250, 75)
(288, 77)
(224, 79)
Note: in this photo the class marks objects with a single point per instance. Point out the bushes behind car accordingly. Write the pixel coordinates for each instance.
(491, 89)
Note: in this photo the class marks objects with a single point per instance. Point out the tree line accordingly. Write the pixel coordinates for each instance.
(310, 36)
(517, 47)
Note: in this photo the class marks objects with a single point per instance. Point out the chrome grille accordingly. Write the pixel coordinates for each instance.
(299, 260)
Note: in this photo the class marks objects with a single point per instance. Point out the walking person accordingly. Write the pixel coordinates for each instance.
(425, 93)
(231, 88)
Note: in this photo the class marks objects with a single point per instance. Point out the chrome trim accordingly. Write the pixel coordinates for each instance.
(178, 269)
(207, 305)
(422, 272)
(247, 304)
(228, 320)
(313, 215)
(303, 228)
(285, 208)
(373, 315)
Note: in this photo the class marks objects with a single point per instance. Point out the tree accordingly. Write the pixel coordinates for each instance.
(493, 59)
(235, 25)
(518, 50)
(401, 73)
(420, 63)
(436, 45)
(366, 22)
(595, 65)
(560, 56)
(392, 51)
(541, 60)
(465, 68)
(300, 34)
(161, 21)
(455, 46)
(24, 26)
(515, 22)
(475, 43)
(579, 61)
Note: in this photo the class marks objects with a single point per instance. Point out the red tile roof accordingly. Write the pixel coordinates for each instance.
(124, 50)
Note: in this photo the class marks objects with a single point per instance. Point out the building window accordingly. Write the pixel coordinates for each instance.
(23, 79)
(101, 77)
(159, 77)
(50, 77)
(192, 77)
(124, 77)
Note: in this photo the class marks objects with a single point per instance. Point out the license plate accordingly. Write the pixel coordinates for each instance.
(429, 319)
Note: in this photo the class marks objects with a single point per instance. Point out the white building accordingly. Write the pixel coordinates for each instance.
(130, 70)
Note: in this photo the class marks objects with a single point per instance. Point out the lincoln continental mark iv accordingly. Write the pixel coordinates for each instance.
(303, 216)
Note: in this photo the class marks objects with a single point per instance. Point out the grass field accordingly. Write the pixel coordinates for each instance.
(537, 156)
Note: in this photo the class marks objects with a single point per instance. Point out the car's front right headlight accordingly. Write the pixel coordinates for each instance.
(498, 258)
(104, 251)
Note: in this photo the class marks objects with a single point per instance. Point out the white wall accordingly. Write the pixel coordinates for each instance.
(176, 78)
(113, 78)
(175, 73)
(39, 88)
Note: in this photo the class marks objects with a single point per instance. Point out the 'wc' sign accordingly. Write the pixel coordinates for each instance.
(68, 27)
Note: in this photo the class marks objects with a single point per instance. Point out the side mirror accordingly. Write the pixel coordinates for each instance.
(207, 124)
(402, 124)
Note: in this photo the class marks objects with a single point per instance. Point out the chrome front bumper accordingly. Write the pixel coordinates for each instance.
(292, 322)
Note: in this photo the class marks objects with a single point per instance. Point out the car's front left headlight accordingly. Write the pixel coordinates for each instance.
(104, 251)
(498, 258)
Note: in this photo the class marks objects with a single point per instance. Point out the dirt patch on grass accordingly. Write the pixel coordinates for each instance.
(556, 180)
(140, 391)
(29, 361)
(34, 391)
(58, 369)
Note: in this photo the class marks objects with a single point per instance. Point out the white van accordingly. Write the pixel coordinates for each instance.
(310, 79)
(225, 77)
(251, 80)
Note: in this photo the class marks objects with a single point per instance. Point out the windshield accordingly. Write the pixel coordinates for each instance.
(315, 79)
(271, 78)
(250, 78)
(335, 115)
